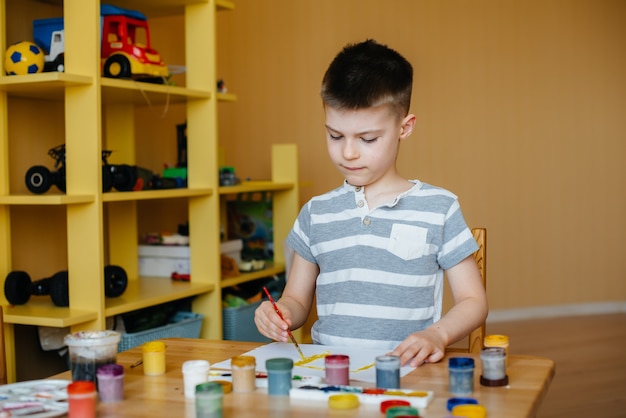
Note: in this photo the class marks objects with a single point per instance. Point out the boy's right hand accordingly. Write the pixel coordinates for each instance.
(270, 324)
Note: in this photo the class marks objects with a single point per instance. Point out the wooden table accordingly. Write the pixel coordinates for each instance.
(162, 396)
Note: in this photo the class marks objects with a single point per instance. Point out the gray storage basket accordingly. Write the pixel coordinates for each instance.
(184, 325)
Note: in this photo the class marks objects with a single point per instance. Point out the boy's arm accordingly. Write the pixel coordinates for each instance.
(294, 304)
(469, 311)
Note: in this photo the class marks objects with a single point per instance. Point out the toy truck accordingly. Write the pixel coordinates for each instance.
(125, 50)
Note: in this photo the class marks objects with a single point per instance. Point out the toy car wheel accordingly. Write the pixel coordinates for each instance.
(124, 177)
(59, 179)
(38, 179)
(59, 64)
(115, 281)
(117, 66)
(17, 287)
(107, 179)
(59, 289)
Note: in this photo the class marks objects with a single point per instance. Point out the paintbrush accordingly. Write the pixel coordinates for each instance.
(281, 317)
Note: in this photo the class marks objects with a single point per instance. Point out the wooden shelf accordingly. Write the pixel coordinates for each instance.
(226, 97)
(42, 86)
(47, 199)
(155, 194)
(141, 93)
(270, 269)
(141, 293)
(149, 291)
(255, 186)
(40, 311)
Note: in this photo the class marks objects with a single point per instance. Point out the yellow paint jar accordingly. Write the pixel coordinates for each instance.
(153, 358)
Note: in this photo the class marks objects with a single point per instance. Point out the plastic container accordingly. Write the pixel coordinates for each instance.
(195, 372)
(401, 411)
(81, 397)
(209, 398)
(279, 376)
(388, 372)
(498, 340)
(337, 369)
(153, 358)
(244, 373)
(461, 375)
(493, 361)
(90, 350)
(111, 382)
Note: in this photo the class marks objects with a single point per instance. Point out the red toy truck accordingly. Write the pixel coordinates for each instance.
(125, 49)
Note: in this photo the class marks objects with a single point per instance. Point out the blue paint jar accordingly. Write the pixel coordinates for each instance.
(461, 372)
(279, 376)
(388, 372)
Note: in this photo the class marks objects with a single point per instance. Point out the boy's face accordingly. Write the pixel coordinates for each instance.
(363, 144)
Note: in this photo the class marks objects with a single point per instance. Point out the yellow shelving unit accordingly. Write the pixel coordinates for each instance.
(101, 228)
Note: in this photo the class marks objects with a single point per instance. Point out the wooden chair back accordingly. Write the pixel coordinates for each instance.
(3, 361)
(475, 340)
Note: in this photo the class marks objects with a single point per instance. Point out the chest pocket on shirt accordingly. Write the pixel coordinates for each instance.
(407, 241)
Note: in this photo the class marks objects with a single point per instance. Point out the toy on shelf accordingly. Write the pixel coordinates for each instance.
(18, 286)
(125, 50)
(23, 58)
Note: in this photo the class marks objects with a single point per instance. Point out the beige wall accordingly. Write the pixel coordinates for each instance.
(521, 109)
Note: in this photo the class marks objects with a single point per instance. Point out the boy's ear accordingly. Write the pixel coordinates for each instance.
(408, 123)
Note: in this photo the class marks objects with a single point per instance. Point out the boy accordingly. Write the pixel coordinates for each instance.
(374, 250)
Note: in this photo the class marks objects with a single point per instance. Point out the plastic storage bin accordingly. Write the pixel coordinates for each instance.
(183, 325)
(238, 324)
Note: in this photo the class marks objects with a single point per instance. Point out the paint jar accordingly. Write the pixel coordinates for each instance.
(90, 350)
(461, 375)
(337, 369)
(153, 358)
(343, 401)
(279, 376)
(388, 372)
(209, 397)
(496, 340)
(469, 411)
(194, 373)
(81, 397)
(111, 382)
(493, 360)
(244, 373)
(401, 411)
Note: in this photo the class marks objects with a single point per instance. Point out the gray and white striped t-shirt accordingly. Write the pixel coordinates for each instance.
(381, 269)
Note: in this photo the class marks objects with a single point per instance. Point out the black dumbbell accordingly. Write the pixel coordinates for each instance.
(18, 286)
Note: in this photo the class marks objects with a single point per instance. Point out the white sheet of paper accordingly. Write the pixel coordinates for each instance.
(359, 357)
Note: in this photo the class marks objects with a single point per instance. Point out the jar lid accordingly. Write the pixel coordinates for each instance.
(110, 370)
(337, 359)
(243, 361)
(279, 364)
(404, 411)
(343, 401)
(80, 387)
(494, 382)
(153, 346)
(469, 411)
(452, 402)
(388, 362)
(461, 363)
(92, 338)
(496, 339)
(385, 405)
(209, 387)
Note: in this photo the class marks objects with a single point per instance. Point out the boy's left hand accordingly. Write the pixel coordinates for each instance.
(421, 347)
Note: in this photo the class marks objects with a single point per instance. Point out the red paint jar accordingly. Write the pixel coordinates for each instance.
(81, 399)
(337, 369)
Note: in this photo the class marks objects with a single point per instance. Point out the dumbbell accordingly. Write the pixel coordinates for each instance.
(18, 287)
